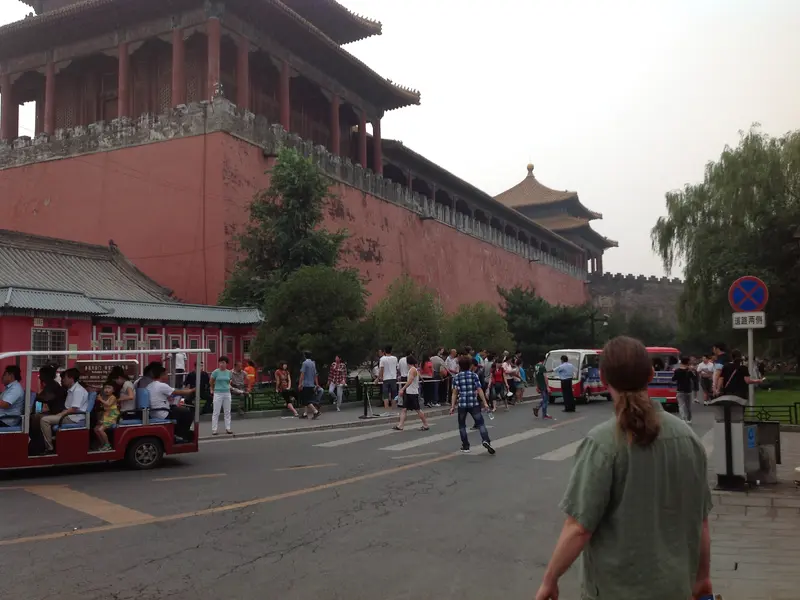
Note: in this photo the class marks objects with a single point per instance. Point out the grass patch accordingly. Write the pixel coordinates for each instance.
(777, 397)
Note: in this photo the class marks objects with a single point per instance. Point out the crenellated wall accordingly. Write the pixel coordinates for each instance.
(654, 296)
(171, 190)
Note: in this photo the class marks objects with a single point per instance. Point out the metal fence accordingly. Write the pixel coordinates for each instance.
(788, 414)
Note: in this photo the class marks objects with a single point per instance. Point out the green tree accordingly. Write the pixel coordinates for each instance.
(319, 309)
(283, 233)
(742, 219)
(478, 325)
(409, 317)
(538, 327)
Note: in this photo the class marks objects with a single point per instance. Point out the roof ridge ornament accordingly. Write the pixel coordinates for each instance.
(530, 169)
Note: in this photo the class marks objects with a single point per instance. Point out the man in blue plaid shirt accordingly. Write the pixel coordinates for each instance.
(467, 390)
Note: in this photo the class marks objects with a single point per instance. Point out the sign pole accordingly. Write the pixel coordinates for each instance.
(751, 401)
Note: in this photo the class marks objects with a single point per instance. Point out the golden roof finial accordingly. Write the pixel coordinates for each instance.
(530, 169)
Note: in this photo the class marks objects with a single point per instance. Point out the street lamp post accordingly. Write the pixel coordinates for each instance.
(594, 318)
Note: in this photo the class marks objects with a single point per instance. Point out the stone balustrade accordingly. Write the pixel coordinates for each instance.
(221, 115)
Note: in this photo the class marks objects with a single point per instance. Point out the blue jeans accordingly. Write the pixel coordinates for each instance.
(545, 401)
(477, 416)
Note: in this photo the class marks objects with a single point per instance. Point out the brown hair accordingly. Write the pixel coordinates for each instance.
(626, 367)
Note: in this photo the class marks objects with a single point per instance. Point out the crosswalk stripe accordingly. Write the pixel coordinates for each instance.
(356, 438)
(563, 453)
(708, 442)
(424, 440)
(519, 437)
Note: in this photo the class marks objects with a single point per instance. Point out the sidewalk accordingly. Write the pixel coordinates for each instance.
(330, 419)
(755, 536)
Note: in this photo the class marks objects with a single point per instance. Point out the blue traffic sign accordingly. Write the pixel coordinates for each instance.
(748, 294)
(751, 436)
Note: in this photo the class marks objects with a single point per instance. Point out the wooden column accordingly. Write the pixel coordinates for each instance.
(243, 73)
(377, 148)
(336, 132)
(123, 90)
(214, 35)
(285, 100)
(410, 181)
(50, 97)
(7, 118)
(362, 139)
(600, 265)
(178, 68)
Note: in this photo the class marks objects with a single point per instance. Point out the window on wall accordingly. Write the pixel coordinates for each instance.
(194, 344)
(155, 344)
(229, 346)
(106, 344)
(212, 345)
(48, 340)
(175, 342)
(130, 344)
(246, 346)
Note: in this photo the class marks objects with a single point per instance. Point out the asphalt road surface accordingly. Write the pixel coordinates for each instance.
(364, 513)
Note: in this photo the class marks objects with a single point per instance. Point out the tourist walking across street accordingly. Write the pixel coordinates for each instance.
(337, 379)
(308, 384)
(540, 375)
(566, 373)
(283, 386)
(684, 377)
(221, 389)
(410, 394)
(638, 499)
(468, 396)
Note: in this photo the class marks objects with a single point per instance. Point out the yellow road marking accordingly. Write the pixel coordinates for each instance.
(415, 455)
(228, 507)
(90, 505)
(304, 467)
(247, 504)
(211, 475)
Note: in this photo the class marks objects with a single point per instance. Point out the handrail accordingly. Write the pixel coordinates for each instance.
(29, 373)
(101, 352)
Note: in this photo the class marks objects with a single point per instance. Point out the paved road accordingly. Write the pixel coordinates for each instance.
(354, 514)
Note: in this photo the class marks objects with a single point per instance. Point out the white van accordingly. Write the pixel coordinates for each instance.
(586, 384)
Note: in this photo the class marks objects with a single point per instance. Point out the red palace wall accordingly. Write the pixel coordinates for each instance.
(172, 206)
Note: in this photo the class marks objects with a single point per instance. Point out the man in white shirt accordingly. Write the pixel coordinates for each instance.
(403, 368)
(387, 377)
(161, 407)
(566, 373)
(705, 371)
(76, 408)
(180, 368)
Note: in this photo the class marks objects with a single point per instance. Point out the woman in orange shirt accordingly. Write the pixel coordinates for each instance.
(250, 369)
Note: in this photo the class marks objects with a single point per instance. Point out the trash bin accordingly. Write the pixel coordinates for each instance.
(768, 442)
(736, 450)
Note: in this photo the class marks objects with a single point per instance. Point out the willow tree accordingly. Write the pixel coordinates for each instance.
(742, 219)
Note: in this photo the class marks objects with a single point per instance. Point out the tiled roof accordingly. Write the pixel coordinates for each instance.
(530, 191)
(191, 313)
(58, 23)
(65, 302)
(340, 23)
(41, 263)
(47, 274)
(563, 223)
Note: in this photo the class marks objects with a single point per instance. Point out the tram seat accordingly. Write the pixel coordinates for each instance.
(18, 428)
(64, 425)
(142, 405)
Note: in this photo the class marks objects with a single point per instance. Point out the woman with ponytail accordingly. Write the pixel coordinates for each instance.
(638, 500)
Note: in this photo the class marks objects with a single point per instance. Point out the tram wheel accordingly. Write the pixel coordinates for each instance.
(144, 453)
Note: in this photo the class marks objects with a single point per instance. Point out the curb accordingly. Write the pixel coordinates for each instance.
(437, 412)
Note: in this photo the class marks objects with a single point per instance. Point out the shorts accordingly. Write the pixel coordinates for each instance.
(106, 423)
(411, 401)
(389, 387)
(287, 396)
(512, 385)
(308, 395)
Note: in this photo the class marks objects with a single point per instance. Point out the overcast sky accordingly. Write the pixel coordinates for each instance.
(621, 100)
